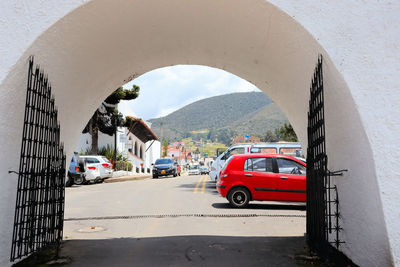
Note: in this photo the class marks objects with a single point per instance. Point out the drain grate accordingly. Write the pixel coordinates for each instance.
(132, 217)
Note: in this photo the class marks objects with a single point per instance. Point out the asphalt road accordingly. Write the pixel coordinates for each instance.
(178, 221)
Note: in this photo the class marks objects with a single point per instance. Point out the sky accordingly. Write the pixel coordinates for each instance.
(164, 90)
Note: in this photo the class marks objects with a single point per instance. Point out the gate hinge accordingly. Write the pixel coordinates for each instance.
(336, 173)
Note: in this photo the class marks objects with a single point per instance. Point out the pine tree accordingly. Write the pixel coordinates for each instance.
(104, 118)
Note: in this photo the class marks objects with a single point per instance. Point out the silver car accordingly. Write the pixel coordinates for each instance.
(98, 168)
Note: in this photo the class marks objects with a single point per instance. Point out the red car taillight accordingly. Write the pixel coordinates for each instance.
(105, 165)
(91, 168)
(77, 169)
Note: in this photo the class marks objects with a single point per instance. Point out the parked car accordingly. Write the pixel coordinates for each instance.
(98, 168)
(194, 169)
(164, 167)
(286, 148)
(204, 170)
(76, 170)
(272, 177)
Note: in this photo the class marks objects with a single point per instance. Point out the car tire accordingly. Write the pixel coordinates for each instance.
(239, 197)
(80, 180)
(82, 165)
(155, 176)
(69, 182)
(175, 174)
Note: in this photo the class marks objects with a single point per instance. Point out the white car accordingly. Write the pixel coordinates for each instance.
(98, 168)
(194, 170)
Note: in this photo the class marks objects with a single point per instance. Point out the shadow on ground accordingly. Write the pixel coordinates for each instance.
(185, 251)
(210, 186)
(253, 206)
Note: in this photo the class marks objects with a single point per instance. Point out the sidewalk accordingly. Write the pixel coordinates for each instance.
(122, 176)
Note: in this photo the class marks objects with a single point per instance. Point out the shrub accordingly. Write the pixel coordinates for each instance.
(123, 166)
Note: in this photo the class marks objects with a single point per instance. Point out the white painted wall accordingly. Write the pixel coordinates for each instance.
(88, 47)
(85, 142)
(153, 153)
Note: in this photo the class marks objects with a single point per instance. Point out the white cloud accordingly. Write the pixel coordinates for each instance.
(165, 90)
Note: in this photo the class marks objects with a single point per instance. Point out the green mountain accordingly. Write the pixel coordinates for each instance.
(221, 117)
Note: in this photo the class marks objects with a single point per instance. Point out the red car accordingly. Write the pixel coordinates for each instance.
(272, 177)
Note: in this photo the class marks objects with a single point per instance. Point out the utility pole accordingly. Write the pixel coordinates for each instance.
(161, 139)
(115, 142)
(117, 119)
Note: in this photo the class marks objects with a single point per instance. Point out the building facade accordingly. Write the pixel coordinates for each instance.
(139, 144)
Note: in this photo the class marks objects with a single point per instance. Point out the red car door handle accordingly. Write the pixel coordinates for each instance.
(248, 174)
(284, 177)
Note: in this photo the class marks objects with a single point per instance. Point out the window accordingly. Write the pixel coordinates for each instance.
(294, 152)
(164, 161)
(92, 160)
(194, 167)
(226, 163)
(290, 167)
(268, 150)
(136, 149)
(234, 151)
(258, 165)
(105, 159)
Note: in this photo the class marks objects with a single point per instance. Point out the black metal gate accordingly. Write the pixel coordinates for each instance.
(317, 162)
(322, 218)
(39, 210)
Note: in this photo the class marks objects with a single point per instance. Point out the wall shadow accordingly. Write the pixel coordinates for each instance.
(185, 251)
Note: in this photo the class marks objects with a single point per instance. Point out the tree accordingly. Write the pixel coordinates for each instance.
(225, 136)
(105, 117)
(165, 148)
(287, 133)
(270, 137)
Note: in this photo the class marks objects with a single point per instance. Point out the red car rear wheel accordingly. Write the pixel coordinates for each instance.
(239, 197)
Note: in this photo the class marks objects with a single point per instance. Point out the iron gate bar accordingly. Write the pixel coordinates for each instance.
(316, 162)
(319, 195)
(39, 210)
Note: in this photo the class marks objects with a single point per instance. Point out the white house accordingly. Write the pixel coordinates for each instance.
(139, 144)
(142, 146)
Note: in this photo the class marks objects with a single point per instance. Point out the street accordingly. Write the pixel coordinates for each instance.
(176, 221)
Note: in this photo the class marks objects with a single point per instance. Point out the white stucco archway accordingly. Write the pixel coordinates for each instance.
(90, 47)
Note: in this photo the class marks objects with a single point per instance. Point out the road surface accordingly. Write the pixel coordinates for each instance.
(178, 221)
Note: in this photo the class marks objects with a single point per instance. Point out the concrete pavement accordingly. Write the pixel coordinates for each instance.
(152, 221)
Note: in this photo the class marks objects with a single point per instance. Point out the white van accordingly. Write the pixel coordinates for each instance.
(286, 148)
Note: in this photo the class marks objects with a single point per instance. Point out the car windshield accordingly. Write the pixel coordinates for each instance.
(163, 161)
(105, 159)
(194, 167)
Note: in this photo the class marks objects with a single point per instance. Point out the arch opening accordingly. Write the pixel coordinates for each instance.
(84, 50)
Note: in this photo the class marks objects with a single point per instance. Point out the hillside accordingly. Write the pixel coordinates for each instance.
(251, 113)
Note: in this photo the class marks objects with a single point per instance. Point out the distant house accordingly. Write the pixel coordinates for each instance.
(139, 144)
(179, 153)
(245, 139)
